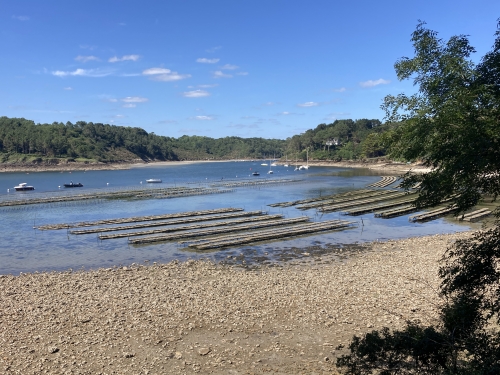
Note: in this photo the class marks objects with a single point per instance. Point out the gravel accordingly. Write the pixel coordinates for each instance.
(200, 317)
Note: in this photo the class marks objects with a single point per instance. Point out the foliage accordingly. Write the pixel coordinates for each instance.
(24, 141)
(342, 139)
(453, 125)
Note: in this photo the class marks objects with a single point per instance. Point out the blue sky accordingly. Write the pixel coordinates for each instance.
(248, 68)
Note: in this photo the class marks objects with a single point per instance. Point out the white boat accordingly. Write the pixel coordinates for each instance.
(307, 161)
(153, 181)
(264, 164)
(286, 163)
(23, 187)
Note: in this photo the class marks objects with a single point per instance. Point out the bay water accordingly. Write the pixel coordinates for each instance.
(25, 249)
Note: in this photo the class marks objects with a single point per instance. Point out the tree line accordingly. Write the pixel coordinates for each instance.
(111, 143)
(342, 139)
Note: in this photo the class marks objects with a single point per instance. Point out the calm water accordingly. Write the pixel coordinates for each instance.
(23, 249)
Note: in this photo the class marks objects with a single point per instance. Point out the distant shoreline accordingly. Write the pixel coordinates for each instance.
(75, 166)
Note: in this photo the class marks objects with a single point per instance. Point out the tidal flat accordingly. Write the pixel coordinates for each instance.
(203, 317)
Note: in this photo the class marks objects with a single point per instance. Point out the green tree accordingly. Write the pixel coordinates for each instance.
(453, 125)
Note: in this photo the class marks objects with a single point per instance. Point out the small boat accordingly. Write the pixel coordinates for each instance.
(23, 187)
(264, 164)
(153, 181)
(256, 174)
(72, 184)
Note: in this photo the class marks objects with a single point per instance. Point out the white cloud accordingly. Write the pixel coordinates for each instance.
(134, 99)
(119, 116)
(84, 59)
(152, 71)
(203, 118)
(220, 74)
(164, 75)
(308, 104)
(173, 76)
(208, 86)
(124, 58)
(21, 18)
(242, 73)
(195, 94)
(68, 88)
(204, 60)
(372, 83)
(229, 67)
(342, 89)
(129, 105)
(82, 73)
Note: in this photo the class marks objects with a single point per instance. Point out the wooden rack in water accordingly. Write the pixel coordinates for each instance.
(120, 194)
(321, 199)
(263, 217)
(385, 181)
(432, 214)
(371, 208)
(351, 198)
(138, 218)
(359, 202)
(255, 183)
(273, 234)
(474, 215)
(178, 236)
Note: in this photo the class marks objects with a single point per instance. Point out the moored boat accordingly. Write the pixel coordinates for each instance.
(23, 187)
(153, 180)
(72, 184)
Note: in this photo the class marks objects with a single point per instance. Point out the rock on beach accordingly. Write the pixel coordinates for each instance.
(200, 317)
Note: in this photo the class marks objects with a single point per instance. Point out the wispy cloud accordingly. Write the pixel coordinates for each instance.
(286, 113)
(243, 126)
(308, 104)
(174, 76)
(372, 83)
(229, 67)
(213, 49)
(165, 75)
(195, 94)
(129, 105)
(341, 89)
(208, 86)
(134, 99)
(202, 118)
(242, 73)
(124, 58)
(21, 18)
(167, 122)
(152, 71)
(82, 73)
(204, 60)
(336, 115)
(68, 88)
(85, 59)
(220, 74)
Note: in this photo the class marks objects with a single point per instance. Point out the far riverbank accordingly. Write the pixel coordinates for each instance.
(383, 166)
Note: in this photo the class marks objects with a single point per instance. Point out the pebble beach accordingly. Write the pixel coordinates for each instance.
(200, 317)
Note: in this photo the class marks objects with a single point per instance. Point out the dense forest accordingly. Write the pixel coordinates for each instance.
(22, 140)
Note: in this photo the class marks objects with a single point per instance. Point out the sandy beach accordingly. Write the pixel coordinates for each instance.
(199, 317)
(382, 166)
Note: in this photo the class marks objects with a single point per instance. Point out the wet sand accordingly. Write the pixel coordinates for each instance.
(200, 317)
